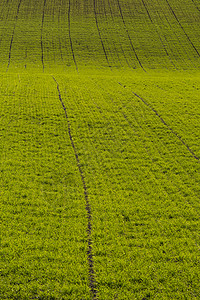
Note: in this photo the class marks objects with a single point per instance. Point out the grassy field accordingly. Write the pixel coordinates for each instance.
(100, 149)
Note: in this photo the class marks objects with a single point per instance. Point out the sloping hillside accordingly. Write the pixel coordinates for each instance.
(100, 149)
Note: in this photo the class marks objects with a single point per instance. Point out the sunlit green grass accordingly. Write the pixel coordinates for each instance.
(128, 74)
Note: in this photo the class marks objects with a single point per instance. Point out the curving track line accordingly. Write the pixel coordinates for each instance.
(104, 9)
(163, 121)
(70, 39)
(196, 5)
(144, 4)
(60, 47)
(178, 39)
(97, 25)
(6, 18)
(110, 9)
(122, 50)
(113, 42)
(193, 46)
(92, 280)
(41, 38)
(143, 133)
(10, 50)
(120, 10)
(149, 16)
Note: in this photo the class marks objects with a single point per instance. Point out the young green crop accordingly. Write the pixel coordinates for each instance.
(99, 149)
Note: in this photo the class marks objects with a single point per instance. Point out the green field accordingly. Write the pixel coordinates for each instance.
(100, 149)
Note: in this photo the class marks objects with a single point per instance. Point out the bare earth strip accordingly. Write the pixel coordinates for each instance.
(92, 280)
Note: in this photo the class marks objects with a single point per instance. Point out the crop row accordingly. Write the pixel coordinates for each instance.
(99, 154)
(143, 190)
(114, 33)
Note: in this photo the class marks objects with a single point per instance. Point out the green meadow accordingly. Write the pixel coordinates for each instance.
(100, 149)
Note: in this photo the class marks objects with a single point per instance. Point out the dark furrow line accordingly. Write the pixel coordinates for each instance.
(193, 46)
(104, 9)
(41, 38)
(163, 121)
(110, 9)
(97, 25)
(70, 39)
(92, 280)
(54, 10)
(121, 110)
(59, 16)
(196, 6)
(177, 37)
(114, 46)
(60, 47)
(147, 11)
(115, 28)
(121, 14)
(16, 18)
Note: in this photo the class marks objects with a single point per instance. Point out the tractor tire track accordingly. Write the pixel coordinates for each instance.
(149, 16)
(99, 33)
(41, 37)
(122, 50)
(125, 27)
(196, 5)
(188, 38)
(108, 23)
(92, 280)
(69, 32)
(104, 9)
(179, 41)
(110, 9)
(11, 42)
(163, 121)
(60, 46)
(6, 19)
(122, 110)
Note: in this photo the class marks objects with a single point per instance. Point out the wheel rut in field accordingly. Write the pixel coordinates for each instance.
(41, 37)
(60, 46)
(99, 33)
(163, 121)
(196, 6)
(70, 39)
(92, 280)
(11, 42)
(187, 36)
(125, 27)
(159, 36)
